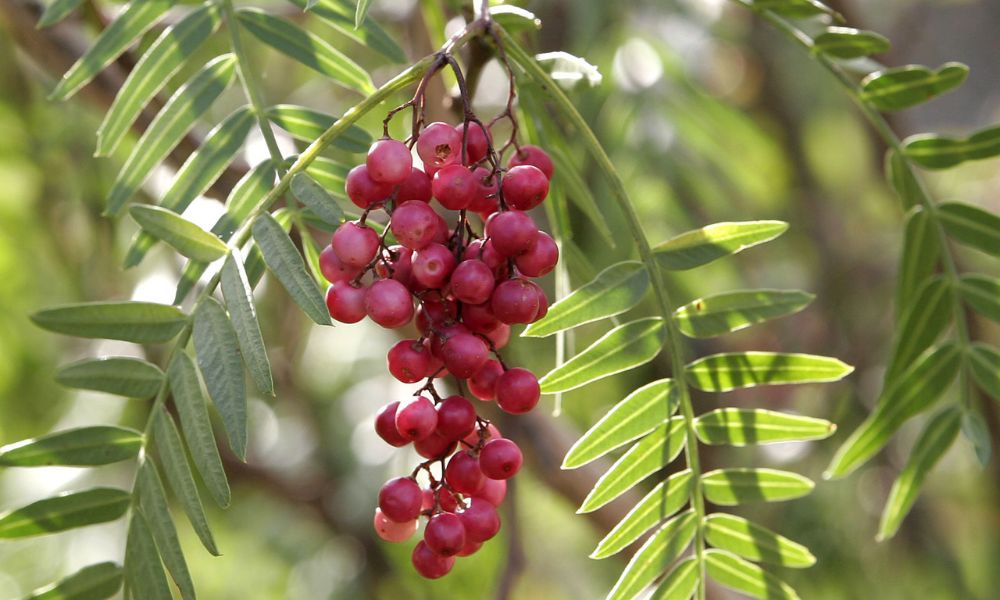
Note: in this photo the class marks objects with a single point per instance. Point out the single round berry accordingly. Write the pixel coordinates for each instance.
(456, 417)
(479, 318)
(385, 426)
(483, 384)
(429, 563)
(485, 200)
(416, 418)
(389, 161)
(389, 303)
(463, 474)
(499, 335)
(532, 155)
(416, 187)
(494, 491)
(470, 548)
(408, 361)
(364, 191)
(517, 391)
(525, 187)
(491, 433)
(511, 232)
(433, 265)
(443, 232)
(414, 224)
(400, 499)
(477, 143)
(445, 534)
(436, 366)
(455, 187)
(543, 303)
(481, 520)
(439, 144)
(435, 446)
(472, 282)
(500, 459)
(444, 333)
(355, 244)
(435, 313)
(391, 531)
(486, 252)
(540, 258)
(334, 270)
(399, 265)
(515, 301)
(446, 500)
(346, 302)
(464, 354)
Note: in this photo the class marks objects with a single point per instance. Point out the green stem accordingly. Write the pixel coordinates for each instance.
(674, 341)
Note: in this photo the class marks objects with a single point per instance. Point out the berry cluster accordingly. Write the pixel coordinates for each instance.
(468, 290)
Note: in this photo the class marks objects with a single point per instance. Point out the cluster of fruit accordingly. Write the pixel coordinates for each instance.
(468, 290)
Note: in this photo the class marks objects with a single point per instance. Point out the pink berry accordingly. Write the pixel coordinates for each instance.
(456, 417)
(408, 361)
(511, 232)
(435, 313)
(491, 433)
(485, 200)
(355, 244)
(364, 191)
(464, 354)
(500, 459)
(486, 252)
(399, 265)
(499, 335)
(439, 144)
(470, 548)
(429, 563)
(446, 500)
(484, 383)
(416, 187)
(385, 426)
(435, 446)
(481, 520)
(517, 391)
(334, 270)
(416, 418)
(400, 499)
(389, 161)
(477, 144)
(346, 302)
(443, 334)
(479, 318)
(532, 155)
(494, 491)
(515, 301)
(389, 303)
(432, 265)
(543, 303)
(525, 187)
(463, 474)
(391, 531)
(540, 258)
(414, 224)
(472, 282)
(445, 534)
(455, 187)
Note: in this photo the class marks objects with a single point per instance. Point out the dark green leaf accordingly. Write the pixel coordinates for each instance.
(903, 87)
(329, 174)
(94, 582)
(339, 14)
(845, 42)
(666, 498)
(731, 371)
(120, 375)
(140, 322)
(317, 199)
(921, 250)
(567, 177)
(67, 511)
(217, 349)
(702, 246)
(681, 583)
(655, 556)
(929, 314)
(933, 151)
(306, 124)
(56, 11)
(153, 505)
(746, 577)
(982, 294)
(984, 362)
(185, 237)
(975, 430)
(729, 487)
(747, 426)
(971, 226)
(82, 447)
(733, 311)
(143, 571)
(756, 543)
(286, 264)
(239, 300)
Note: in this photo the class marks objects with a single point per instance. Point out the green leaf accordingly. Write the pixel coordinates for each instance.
(286, 264)
(743, 576)
(362, 12)
(639, 413)
(845, 42)
(329, 174)
(306, 48)
(794, 9)
(614, 291)
(514, 18)
(243, 313)
(186, 237)
(975, 430)
(169, 126)
(153, 505)
(93, 582)
(623, 348)
(929, 314)
(730, 487)
(669, 496)
(679, 584)
(702, 246)
(115, 39)
(197, 427)
(747, 426)
(567, 176)
(66, 511)
(903, 87)
(143, 571)
(56, 11)
(81, 447)
(140, 322)
(731, 371)
(120, 375)
(984, 362)
(339, 14)
(306, 124)
(938, 435)
(756, 543)
(650, 454)
(916, 390)
(178, 472)
(217, 349)
(317, 199)
(982, 294)
(933, 151)
(733, 311)
(655, 556)
(972, 226)
(155, 68)
(921, 250)
(203, 167)
(900, 178)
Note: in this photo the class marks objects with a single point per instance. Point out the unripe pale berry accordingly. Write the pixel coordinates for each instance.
(408, 361)
(389, 303)
(455, 187)
(391, 531)
(540, 258)
(389, 161)
(511, 232)
(333, 270)
(435, 446)
(484, 383)
(400, 499)
(477, 144)
(385, 426)
(433, 265)
(515, 301)
(346, 302)
(429, 563)
(525, 187)
(500, 459)
(517, 391)
(463, 473)
(439, 144)
(445, 534)
(414, 224)
(355, 244)
(364, 191)
(456, 417)
(532, 155)
(472, 281)
(416, 187)
(481, 520)
(416, 418)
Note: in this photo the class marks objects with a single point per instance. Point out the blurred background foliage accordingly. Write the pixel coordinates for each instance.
(709, 116)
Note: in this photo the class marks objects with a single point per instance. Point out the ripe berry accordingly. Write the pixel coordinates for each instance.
(364, 191)
(532, 155)
(485, 200)
(477, 143)
(435, 313)
(491, 433)
(414, 224)
(445, 534)
(470, 548)
(346, 302)
(543, 303)
(355, 244)
(540, 258)
(500, 459)
(517, 391)
(456, 417)
(484, 383)
(499, 335)
(389, 161)
(416, 418)
(400, 499)
(464, 354)
(435, 446)
(443, 334)
(399, 265)
(429, 563)
(389, 304)
(525, 187)
(446, 500)
(436, 366)
(486, 252)
(511, 232)
(439, 144)
(433, 265)
(385, 426)
(391, 531)
(515, 301)
(478, 317)
(494, 491)
(455, 187)
(472, 282)
(416, 187)
(481, 520)
(334, 270)
(408, 361)
(463, 474)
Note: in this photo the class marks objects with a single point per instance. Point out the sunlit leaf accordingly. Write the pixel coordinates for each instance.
(971, 226)
(81, 447)
(903, 87)
(793, 9)
(569, 68)
(185, 237)
(131, 377)
(328, 173)
(659, 551)
(307, 124)
(154, 506)
(243, 313)
(93, 582)
(217, 349)
(666, 498)
(753, 542)
(733, 311)
(340, 14)
(143, 571)
(928, 315)
(730, 371)
(982, 294)
(361, 13)
(747, 426)
(702, 246)
(933, 151)
(140, 322)
(984, 362)
(514, 18)
(921, 250)
(743, 576)
(285, 262)
(66, 511)
(681, 583)
(729, 487)
(846, 42)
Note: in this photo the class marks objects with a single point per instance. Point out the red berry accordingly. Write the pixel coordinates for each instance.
(540, 258)
(446, 500)
(499, 335)
(532, 155)
(408, 361)
(472, 282)
(416, 418)
(515, 301)
(334, 270)
(355, 244)
(439, 144)
(486, 252)
(477, 143)
(543, 303)
(500, 459)
(435, 446)
(414, 224)
(511, 232)
(389, 161)
(385, 426)
(491, 433)
(464, 354)
(485, 200)
(416, 187)
(484, 383)
(391, 531)
(470, 548)
(481, 520)
(389, 304)
(400, 499)
(463, 474)
(445, 534)
(478, 317)
(455, 187)
(436, 366)
(364, 191)
(494, 491)
(346, 302)
(430, 564)
(435, 313)
(517, 391)
(433, 265)
(399, 268)
(443, 334)
(456, 418)
(525, 187)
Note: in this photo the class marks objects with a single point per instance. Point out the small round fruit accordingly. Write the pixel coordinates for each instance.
(435, 446)
(515, 301)
(364, 191)
(400, 499)
(445, 534)
(389, 303)
(346, 302)
(389, 162)
(532, 155)
(456, 417)
(416, 418)
(414, 224)
(464, 354)
(525, 187)
(391, 531)
(511, 232)
(333, 270)
(500, 459)
(477, 144)
(433, 265)
(385, 426)
(481, 520)
(483, 384)
(472, 281)
(408, 361)
(479, 318)
(439, 144)
(540, 258)
(494, 491)
(455, 187)
(416, 187)
(491, 433)
(429, 563)
(463, 474)
(517, 391)
(470, 548)
(355, 244)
